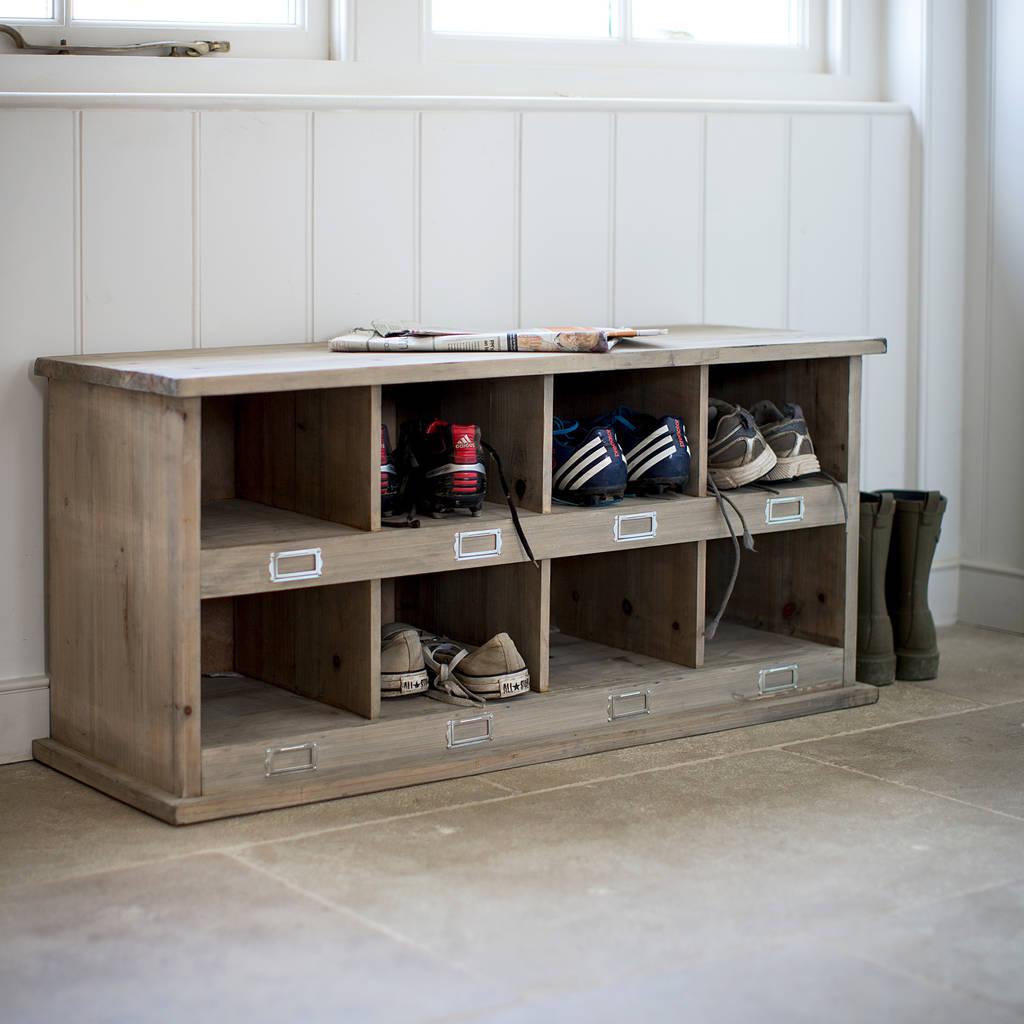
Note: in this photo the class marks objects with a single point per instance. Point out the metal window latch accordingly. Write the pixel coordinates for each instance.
(198, 48)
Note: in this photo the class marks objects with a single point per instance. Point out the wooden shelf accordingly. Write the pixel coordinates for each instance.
(239, 537)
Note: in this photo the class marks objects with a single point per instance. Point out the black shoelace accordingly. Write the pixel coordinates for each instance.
(520, 533)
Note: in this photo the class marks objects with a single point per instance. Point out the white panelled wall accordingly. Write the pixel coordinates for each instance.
(992, 569)
(143, 229)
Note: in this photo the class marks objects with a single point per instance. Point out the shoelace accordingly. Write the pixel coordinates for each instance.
(520, 533)
(444, 686)
(748, 543)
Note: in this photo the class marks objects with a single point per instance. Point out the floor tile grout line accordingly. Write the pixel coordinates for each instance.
(903, 785)
(333, 905)
(509, 794)
(900, 970)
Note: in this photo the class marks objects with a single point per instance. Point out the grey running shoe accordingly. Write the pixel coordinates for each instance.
(737, 453)
(786, 432)
(402, 670)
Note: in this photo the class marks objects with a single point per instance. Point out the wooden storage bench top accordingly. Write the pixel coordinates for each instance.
(234, 371)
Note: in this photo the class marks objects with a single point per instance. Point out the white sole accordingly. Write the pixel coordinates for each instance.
(403, 684)
(508, 684)
(739, 476)
(799, 465)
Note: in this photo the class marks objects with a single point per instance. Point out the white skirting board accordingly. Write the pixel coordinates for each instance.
(24, 716)
(992, 596)
(944, 592)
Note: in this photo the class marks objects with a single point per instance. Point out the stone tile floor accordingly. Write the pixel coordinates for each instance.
(866, 865)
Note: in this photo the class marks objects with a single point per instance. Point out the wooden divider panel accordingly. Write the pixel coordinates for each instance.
(473, 605)
(322, 643)
(646, 600)
(674, 391)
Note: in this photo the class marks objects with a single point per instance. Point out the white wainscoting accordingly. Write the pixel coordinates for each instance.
(130, 229)
(992, 591)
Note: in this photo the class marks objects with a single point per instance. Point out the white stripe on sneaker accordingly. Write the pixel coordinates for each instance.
(649, 439)
(576, 456)
(654, 458)
(569, 482)
(581, 480)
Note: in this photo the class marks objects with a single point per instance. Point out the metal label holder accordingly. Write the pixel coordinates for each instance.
(773, 518)
(279, 574)
(629, 699)
(312, 753)
(456, 725)
(622, 530)
(466, 540)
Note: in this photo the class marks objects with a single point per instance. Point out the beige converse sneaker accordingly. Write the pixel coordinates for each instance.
(402, 669)
(461, 674)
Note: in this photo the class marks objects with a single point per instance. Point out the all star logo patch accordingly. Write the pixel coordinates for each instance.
(510, 687)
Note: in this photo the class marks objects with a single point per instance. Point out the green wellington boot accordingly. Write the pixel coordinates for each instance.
(915, 535)
(876, 659)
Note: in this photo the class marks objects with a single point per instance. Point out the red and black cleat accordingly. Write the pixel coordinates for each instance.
(389, 489)
(449, 474)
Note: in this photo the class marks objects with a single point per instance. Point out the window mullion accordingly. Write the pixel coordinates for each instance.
(626, 21)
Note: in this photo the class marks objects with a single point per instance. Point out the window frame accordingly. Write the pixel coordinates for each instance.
(811, 56)
(310, 38)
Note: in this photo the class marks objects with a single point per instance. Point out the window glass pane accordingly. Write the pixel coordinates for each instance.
(740, 22)
(573, 19)
(278, 13)
(19, 10)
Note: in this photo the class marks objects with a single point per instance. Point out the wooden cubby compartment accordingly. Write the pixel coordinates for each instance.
(514, 416)
(645, 600)
(312, 452)
(821, 387)
(473, 605)
(675, 391)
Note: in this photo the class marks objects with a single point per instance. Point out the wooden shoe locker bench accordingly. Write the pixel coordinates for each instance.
(218, 575)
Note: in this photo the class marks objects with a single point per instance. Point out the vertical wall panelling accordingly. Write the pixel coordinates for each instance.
(136, 230)
(364, 218)
(745, 230)
(467, 219)
(658, 204)
(828, 219)
(37, 299)
(254, 224)
(565, 218)
(886, 411)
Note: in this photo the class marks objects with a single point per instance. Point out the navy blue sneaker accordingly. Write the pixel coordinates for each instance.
(589, 468)
(655, 449)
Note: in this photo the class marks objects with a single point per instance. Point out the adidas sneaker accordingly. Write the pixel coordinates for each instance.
(402, 669)
(655, 449)
(786, 432)
(589, 467)
(737, 452)
(389, 489)
(446, 462)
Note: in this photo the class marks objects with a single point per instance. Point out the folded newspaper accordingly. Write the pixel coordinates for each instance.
(402, 336)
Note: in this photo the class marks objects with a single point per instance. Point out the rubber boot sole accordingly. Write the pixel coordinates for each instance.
(878, 671)
(658, 486)
(739, 476)
(917, 667)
